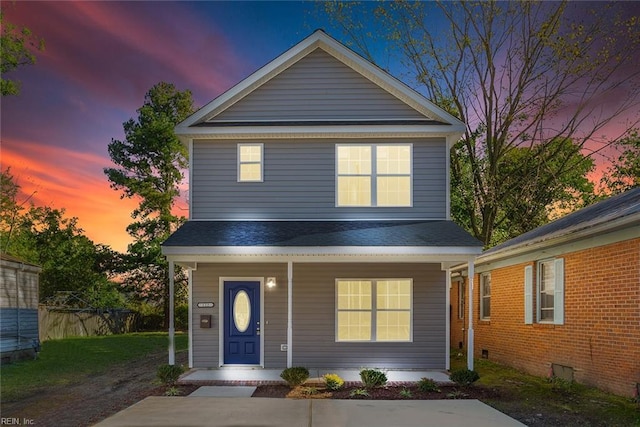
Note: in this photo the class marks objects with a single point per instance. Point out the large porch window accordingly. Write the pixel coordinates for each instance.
(374, 310)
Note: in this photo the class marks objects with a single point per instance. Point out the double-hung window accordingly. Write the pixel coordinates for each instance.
(485, 296)
(544, 293)
(461, 298)
(374, 310)
(373, 175)
(250, 162)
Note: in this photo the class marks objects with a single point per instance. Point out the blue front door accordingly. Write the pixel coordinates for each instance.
(242, 323)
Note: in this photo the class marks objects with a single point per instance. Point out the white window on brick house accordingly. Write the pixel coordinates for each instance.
(461, 299)
(250, 164)
(546, 299)
(374, 310)
(485, 296)
(373, 175)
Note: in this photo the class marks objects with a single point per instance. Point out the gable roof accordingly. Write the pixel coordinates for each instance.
(438, 120)
(615, 213)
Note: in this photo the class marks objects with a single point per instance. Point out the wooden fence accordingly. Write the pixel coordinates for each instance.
(60, 323)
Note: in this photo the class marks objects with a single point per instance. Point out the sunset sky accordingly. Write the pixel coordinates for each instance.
(100, 60)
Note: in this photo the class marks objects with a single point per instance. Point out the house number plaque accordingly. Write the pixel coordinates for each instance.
(206, 305)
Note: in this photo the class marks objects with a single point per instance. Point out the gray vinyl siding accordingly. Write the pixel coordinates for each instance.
(206, 288)
(299, 182)
(314, 315)
(318, 87)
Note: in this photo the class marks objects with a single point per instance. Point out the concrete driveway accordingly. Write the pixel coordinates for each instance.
(265, 412)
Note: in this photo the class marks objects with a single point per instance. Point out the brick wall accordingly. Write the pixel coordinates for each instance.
(600, 338)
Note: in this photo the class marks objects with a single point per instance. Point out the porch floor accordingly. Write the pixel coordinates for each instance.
(260, 376)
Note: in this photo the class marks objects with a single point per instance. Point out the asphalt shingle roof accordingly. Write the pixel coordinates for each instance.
(321, 234)
(613, 208)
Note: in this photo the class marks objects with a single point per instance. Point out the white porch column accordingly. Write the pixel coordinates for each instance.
(470, 327)
(172, 332)
(447, 329)
(289, 314)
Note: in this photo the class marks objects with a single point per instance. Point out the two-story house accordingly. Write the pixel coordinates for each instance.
(319, 231)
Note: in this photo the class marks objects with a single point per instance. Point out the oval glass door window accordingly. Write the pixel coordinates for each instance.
(241, 311)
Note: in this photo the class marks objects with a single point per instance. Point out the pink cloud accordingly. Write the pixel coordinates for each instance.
(117, 51)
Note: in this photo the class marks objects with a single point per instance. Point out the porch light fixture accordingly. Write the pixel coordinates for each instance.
(271, 282)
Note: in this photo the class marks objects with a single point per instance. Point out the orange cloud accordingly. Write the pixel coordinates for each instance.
(72, 180)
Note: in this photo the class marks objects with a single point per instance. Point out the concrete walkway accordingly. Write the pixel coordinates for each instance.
(264, 412)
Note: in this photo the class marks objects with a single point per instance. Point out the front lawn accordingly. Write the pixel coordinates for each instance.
(71, 360)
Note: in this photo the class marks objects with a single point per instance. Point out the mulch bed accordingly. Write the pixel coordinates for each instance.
(395, 392)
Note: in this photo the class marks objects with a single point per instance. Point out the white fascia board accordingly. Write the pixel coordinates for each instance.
(318, 39)
(605, 233)
(321, 254)
(256, 79)
(323, 131)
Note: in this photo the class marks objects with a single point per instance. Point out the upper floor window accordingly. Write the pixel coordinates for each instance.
(373, 175)
(250, 162)
(373, 310)
(485, 296)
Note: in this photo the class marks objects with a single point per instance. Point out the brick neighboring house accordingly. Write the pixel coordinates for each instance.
(563, 299)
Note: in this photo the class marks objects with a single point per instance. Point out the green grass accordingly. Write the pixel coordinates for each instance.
(68, 361)
(589, 405)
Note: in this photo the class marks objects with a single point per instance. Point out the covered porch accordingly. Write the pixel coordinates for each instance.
(308, 259)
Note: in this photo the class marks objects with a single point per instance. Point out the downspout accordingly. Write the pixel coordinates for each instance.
(289, 314)
(470, 328)
(448, 320)
(172, 332)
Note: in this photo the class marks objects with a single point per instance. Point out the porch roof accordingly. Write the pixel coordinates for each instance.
(321, 234)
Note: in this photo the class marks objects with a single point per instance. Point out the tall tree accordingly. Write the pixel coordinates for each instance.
(624, 174)
(150, 162)
(520, 74)
(17, 47)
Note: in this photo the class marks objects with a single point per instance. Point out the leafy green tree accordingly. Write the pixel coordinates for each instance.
(70, 261)
(521, 74)
(17, 47)
(624, 174)
(150, 162)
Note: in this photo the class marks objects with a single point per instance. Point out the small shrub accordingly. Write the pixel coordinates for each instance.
(405, 393)
(464, 377)
(333, 381)
(359, 392)
(373, 378)
(308, 391)
(426, 385)
(456, 394)
(172, 391)
(295, 376)
(169, 374)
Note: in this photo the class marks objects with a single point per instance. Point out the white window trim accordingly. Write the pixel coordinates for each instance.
(374, 310)
(558, 291)
(483, 277)
(538, 290)
(374, 175)
(261, 163)
(461, 299)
